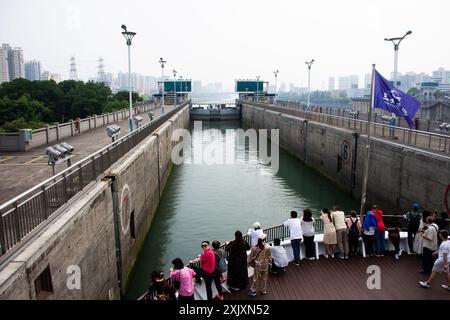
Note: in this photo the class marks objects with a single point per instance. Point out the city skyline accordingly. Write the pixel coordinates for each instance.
(216, 44)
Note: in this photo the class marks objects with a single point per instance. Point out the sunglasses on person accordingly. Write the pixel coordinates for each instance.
(204, 245)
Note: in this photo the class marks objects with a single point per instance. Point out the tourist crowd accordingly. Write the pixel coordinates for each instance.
(427, 235)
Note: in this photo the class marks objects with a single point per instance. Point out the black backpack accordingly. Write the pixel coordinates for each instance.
(414, 222)
(353, 232)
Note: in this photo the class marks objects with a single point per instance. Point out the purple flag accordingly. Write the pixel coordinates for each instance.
(390, 98)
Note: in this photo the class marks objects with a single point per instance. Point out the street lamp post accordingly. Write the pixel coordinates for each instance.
(276, 75)
(181, 88)
(129, 36)
(396, 42)
(257, 88)
(162, 62)
(174, 88)
(309, 64)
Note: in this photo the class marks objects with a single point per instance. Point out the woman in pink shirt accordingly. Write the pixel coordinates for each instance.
(185, 277)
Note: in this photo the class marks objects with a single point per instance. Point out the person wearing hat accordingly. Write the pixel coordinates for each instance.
(255, 233)
(412, 222)
(260, 259)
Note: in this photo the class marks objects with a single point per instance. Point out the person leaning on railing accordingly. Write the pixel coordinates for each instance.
(207, 270)
(184, 277)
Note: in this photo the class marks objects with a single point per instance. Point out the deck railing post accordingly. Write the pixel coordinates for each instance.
(47, 127)
(2, 236)
(16, 222)
(57, 131)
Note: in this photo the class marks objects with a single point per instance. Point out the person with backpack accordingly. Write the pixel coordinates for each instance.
(412, 223)
(354, 232)
(430, 236)
(221, 264)
(369, 229)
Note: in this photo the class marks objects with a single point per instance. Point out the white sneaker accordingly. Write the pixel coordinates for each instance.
(446, 287)
(424, 284)
(396, 256)
(326, 256)
(332, 255)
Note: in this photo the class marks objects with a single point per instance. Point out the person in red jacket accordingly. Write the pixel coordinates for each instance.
(380, 233)
(207, 270)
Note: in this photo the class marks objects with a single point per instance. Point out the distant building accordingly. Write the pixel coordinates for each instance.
(33, 70)
(348, 82)
(15, 62)
(196, 86)
(4, 69)
(282, 87)
(367, 80)
(45, 75)
(55, 77)
(331, 84)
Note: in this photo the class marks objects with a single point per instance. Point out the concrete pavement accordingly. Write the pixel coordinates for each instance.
(20, 171)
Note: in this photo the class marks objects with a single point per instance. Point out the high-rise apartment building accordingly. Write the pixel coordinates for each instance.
(4, 69)
(33, 70)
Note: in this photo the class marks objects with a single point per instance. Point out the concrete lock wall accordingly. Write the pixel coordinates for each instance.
(398, 175)
(84, 232)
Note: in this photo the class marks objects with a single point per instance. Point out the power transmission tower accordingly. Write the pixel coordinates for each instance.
(101, 77)
(73, 69)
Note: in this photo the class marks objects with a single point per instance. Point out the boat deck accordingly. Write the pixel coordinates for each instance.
(346, 279)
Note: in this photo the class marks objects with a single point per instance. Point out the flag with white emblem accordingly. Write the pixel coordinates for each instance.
(391, 99)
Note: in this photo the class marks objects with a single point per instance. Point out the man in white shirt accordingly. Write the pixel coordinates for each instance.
(441, 265)
(341, 231)
(279, 257)
(295, 229)
(255, 233)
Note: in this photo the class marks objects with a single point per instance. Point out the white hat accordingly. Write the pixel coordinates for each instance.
(256, 225)
(263, 236)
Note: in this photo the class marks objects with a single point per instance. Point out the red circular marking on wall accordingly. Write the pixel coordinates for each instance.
(125, 208)
(346, 151)
(447, 193)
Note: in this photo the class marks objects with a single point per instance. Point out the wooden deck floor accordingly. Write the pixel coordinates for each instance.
(346, 279)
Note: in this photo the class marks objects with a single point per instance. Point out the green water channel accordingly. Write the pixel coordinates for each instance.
(212, 201)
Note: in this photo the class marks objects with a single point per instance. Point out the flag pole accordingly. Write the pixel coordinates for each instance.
(366, 162)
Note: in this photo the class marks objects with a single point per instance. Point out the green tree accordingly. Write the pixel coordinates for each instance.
(125, 96)
(22, 113)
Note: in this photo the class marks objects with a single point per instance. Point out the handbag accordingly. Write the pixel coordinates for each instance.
(252, 262)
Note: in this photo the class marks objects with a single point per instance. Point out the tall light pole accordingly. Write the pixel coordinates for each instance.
(276, 75)
(257, 88)
(174, 88)
(181, 87)
(129, 36)
(396, 42)
(162, 62)
(309, 64)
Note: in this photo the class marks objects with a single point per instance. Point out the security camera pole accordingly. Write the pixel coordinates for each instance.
(129, 36)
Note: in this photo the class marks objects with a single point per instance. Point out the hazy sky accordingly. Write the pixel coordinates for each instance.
(221, 40)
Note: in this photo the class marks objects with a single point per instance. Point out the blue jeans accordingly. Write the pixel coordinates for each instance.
(295, 243)
(379, 242)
